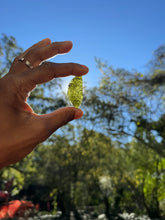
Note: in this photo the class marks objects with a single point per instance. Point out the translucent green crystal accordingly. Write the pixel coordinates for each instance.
(75, 91)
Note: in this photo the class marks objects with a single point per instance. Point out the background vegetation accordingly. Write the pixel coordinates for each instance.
(112, 160)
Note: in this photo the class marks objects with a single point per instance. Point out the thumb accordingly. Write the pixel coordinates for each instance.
(59, 118)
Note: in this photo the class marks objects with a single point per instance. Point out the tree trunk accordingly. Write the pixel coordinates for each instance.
(107, 208)
(76, 213)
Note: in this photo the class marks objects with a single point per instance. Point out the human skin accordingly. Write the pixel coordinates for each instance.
(21, 130)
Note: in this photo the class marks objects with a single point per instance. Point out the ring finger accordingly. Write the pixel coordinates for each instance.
(15, 67)
(38, 53)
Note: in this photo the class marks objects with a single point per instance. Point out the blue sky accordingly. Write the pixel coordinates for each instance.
(123, 32)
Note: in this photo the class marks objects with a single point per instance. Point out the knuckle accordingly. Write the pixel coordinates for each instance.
(55, 48)
(71, 67)
(44, 130)
(34, 55)
(48, 68)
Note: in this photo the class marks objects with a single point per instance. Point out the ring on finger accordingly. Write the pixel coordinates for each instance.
(27, 63)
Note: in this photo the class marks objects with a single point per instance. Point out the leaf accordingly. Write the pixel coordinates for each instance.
(75, 91)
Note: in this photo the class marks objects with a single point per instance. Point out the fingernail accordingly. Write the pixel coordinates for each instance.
(78, 114)
(68, 42)
(85, 68)
(46, 40)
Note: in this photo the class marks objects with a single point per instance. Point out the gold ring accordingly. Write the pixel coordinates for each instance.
(27, 63)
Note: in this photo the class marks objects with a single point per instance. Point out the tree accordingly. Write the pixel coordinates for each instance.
(110, 161)
(9, 49)
(129, 106)
(147, 179)
(126, 101)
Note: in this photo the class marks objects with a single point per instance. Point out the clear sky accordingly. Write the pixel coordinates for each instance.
(123, 32)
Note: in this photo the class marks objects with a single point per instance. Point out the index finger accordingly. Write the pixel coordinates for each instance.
(48, 70)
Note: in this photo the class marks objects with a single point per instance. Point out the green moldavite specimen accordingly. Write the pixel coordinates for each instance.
(75, 91)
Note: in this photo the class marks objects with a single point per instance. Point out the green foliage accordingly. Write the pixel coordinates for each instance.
(9, 49)
(53, 195)
(112, 160)
(18, 180)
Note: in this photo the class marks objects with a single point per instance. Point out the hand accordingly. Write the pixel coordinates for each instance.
(21, 130)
